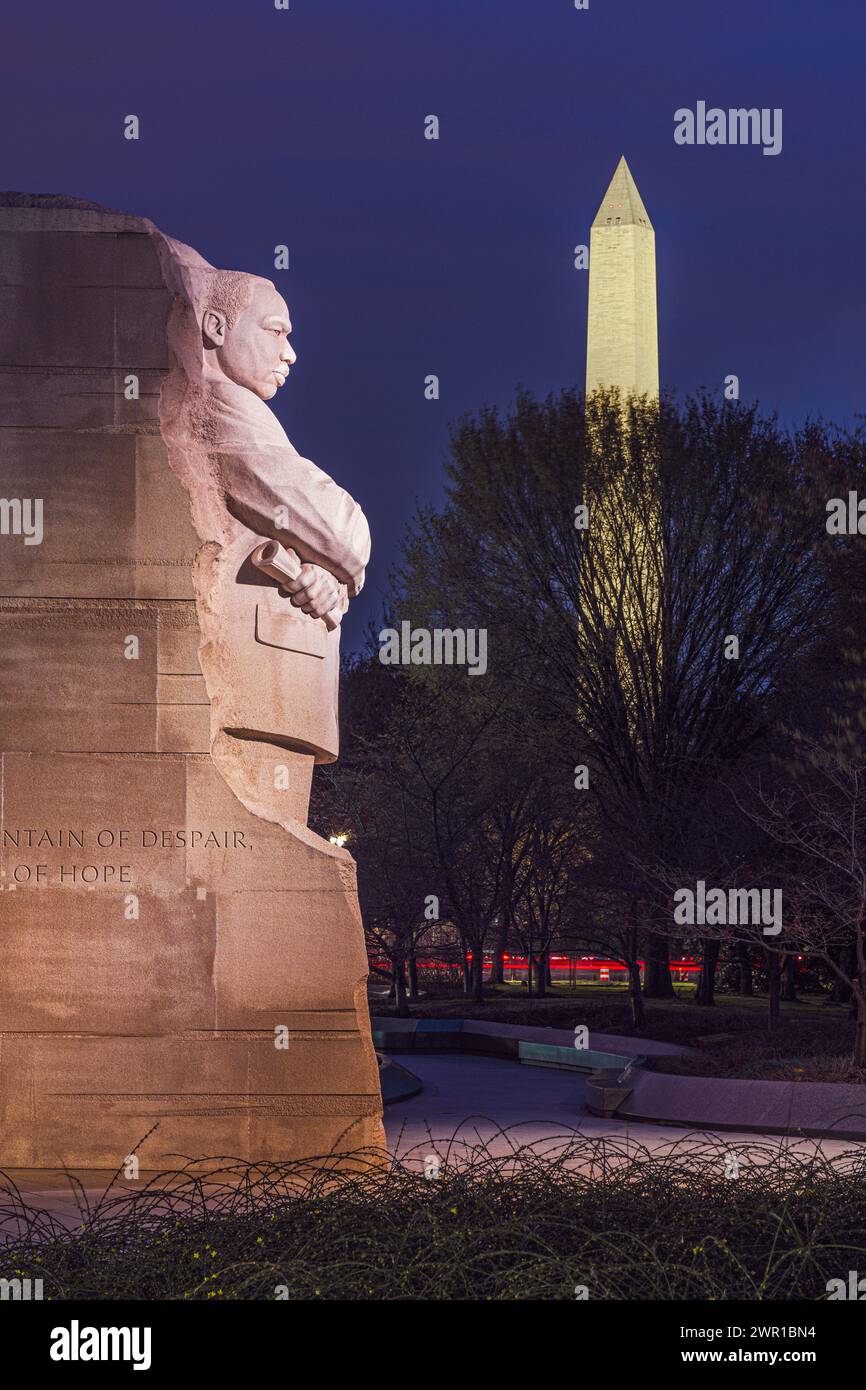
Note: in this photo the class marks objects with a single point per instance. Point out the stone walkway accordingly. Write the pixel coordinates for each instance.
(472, 1101)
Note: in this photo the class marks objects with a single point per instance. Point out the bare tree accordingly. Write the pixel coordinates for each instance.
(651, 572)
(543, 886)
(819, 824)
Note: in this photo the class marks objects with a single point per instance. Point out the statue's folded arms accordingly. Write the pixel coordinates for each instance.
(286, 497)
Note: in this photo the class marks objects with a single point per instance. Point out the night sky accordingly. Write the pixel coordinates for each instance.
(455, 257)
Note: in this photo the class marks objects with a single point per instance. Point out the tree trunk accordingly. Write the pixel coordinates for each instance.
(859, 1057)
(841, 992)
(705, 993)
(789, 980)
(500, 943)
(412, 963)
(478, 972)
(774, 1000)
(467, 973)
(657, 980)
(744, 963)
(541, 975)
(400, 988)
(638, 1012)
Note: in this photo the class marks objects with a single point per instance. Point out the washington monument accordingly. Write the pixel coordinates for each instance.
(622, 328)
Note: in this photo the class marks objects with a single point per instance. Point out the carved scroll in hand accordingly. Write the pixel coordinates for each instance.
(281, 564)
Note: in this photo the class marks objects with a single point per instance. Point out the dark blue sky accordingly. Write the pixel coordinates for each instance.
(412, 257)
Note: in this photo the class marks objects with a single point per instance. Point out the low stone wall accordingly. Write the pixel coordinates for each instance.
(614, 1043)
(531, 1046)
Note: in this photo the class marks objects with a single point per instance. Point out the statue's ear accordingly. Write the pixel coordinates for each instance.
(213, 328)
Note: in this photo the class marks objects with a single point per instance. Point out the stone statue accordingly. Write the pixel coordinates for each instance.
(183, 956)
(269, 656)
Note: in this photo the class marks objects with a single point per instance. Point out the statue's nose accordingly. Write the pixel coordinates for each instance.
(288, 354)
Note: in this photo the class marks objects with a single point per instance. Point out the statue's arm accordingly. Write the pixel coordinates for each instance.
(280, 494)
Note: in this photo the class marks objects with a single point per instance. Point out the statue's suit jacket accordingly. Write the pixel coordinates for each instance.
(272, 670)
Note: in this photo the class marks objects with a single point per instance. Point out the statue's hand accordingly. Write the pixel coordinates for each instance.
(315, 591)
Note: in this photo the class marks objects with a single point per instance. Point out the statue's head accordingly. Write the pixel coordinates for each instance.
(245, 328)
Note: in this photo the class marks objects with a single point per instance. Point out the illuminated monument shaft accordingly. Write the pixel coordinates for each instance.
(622, 326)
(622, 355)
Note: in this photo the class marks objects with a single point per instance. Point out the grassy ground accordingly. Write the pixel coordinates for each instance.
(812, 1043)
(638, 1228)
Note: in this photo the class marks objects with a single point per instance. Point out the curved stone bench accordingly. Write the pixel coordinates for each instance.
(534, 1047)
(812, 1109)
(396, 1082)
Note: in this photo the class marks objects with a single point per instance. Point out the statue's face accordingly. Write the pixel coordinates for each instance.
(256, 352)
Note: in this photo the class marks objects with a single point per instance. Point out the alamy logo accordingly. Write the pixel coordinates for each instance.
(736, 126)
(20, 1290)
(443, 646)
(22, 516)
(737, 907)
(854, 1289)
(77, 1343)
(846, 517)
